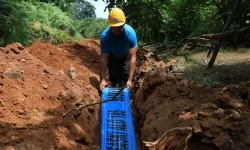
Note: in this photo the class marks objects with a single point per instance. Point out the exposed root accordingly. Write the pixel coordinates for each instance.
(154, 145)
(188, 137)
(85, 106)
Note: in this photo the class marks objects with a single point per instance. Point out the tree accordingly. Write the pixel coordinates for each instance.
(82, 9)
(63, 4)
(174, 20)
(5, 10)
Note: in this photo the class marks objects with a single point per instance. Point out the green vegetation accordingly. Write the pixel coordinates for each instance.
(33, 20)
(173, 20)
(167, 21)
(82, 10)
(92, 28)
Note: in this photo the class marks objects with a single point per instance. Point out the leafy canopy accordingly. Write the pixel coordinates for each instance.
(173, 20)
(82, 9)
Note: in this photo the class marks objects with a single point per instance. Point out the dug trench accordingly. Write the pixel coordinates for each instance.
(39, 83)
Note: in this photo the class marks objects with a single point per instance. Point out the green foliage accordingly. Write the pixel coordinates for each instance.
(174, 20)
(155, 21)
(5, 9)
(158, 21)
(184, 17)
(146, 18)
(27, 22)
(65, 5)
(82, 9)
(91, 28)
(19, 29)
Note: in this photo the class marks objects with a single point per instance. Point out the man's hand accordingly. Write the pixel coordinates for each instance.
(132, 61)
(129, 84)
(103, 84)
(103, 68)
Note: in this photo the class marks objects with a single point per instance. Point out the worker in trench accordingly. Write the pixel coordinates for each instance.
(118, 51)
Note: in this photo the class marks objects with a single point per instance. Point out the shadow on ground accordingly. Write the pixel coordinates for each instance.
(88, 56)
(219, 75)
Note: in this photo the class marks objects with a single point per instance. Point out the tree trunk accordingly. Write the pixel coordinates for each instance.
(218, 45)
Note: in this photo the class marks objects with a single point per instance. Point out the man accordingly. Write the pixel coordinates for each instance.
(118, 51)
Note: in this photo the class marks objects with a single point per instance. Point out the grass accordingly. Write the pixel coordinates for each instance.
(232, 66)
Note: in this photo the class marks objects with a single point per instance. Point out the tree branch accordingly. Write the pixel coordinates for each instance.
(100, 102)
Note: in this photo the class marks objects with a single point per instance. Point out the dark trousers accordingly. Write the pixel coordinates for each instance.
(118, 69)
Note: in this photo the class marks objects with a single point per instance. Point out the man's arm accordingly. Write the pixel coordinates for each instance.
(132, 63)
(103, 66)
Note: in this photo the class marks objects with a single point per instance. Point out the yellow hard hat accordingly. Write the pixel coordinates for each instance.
(116, 17)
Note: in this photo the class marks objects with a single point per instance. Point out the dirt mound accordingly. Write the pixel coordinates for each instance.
(176, 114)
(40, 83)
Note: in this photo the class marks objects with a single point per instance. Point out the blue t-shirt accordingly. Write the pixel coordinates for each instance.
(119, 46)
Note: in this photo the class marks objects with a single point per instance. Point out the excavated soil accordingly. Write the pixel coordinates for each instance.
(174, 114)
(39, 83)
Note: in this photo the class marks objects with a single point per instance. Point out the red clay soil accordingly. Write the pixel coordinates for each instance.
(175, 114)
(36, 88)
(38, 84)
